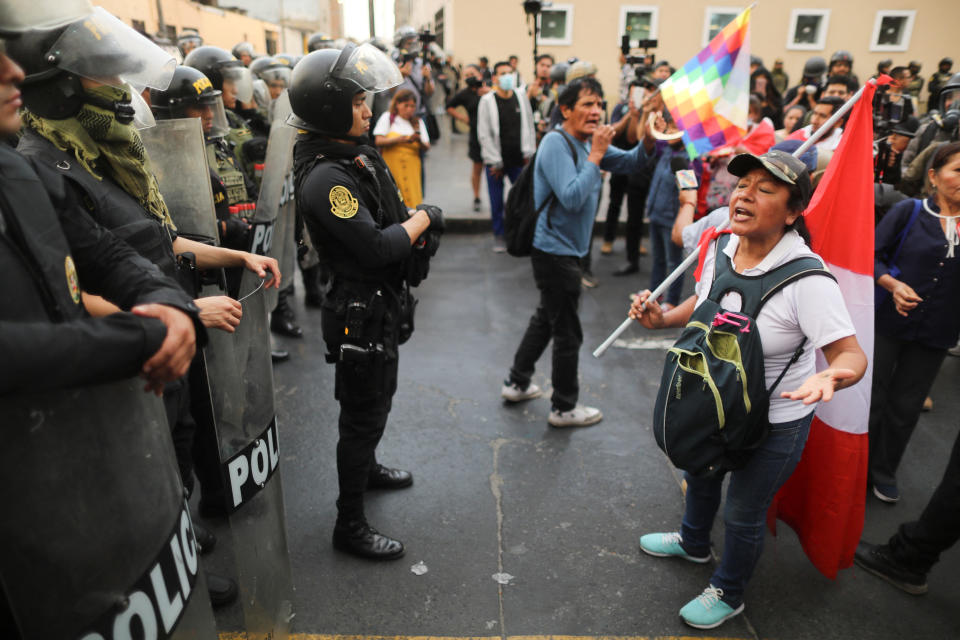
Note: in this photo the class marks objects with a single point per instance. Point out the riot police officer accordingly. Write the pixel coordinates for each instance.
(191, 95)
(942, 126)
(248, 139)
(372, 250)
(319, 41)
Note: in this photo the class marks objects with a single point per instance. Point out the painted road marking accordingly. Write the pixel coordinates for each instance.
(231, 635)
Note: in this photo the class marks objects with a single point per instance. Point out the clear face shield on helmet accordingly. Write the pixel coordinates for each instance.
(103, 49)
(368, 68)
(210, 110)
(19, 16)
(237, 82)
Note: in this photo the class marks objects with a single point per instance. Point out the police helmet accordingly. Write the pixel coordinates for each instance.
(403, 34)
(814, 67)
(189, 37)
(324, 83)
(242, 48)
(841, 56)
(191, 89)
(757, 60)
(261, 63)
(884, 65)
(379, 43)
(288, 59)
(558, 72)
(580, 69)
(319, 41)
(950, 103)
(914, 66)
(946, 61)
(97, 47)
(218, 65)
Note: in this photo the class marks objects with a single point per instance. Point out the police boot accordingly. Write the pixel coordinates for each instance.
(358, 538)
(382, 477)
(223, 590)
(205, 538)
(311, 285)
(282, 320)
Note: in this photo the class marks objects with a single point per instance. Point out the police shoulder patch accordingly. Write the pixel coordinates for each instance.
(342, 202)
(73, 282)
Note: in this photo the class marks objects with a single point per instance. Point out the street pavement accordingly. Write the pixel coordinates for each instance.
(554, 514)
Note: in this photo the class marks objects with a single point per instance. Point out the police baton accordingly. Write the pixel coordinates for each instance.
(690, 259)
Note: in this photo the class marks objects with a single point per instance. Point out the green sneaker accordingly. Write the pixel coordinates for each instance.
(707, 610)
(665, 545)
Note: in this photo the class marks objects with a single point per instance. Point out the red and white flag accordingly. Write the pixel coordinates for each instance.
(823, 501)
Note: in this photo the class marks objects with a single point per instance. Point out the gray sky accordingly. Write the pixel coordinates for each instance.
(356, 22)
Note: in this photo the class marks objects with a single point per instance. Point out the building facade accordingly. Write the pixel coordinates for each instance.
(924, 31)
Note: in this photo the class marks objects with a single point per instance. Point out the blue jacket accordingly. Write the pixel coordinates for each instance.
(577, 185)
(663, 199)
(924, 266)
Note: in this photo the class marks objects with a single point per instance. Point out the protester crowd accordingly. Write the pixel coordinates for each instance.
(364, 116)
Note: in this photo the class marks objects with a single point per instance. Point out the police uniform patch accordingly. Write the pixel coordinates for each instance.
(342, 202)
(73, 282)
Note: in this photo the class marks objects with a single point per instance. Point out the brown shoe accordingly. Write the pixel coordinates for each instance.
(606, 248)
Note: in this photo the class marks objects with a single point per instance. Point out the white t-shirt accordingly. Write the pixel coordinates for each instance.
(811, 307)
(400, 125)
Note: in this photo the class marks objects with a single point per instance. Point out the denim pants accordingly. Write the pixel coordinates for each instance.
(556, 318)
(749, 494)
(666, 257)
(495, 191)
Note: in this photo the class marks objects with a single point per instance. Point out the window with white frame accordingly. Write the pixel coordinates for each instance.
(808, 29)
(639, 22)
(892, 30)
(556, 24)
(715, 19)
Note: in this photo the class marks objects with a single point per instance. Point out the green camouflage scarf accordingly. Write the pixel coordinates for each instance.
(106, 147)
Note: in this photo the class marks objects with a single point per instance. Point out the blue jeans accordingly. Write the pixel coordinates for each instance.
(495, 191)
(666, 257)
(749, 494)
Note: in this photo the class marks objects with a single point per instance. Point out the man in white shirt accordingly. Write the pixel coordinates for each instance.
(507, 140)
(822, 111)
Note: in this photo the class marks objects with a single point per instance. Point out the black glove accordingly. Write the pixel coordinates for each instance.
(436, 217)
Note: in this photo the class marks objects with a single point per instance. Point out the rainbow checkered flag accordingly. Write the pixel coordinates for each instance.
(709, 97)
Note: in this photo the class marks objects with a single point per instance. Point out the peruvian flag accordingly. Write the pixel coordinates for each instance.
(823, 501)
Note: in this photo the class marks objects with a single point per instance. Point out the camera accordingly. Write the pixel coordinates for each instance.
(474, 83)
(426, 37)
(534, 7)
(646, 59)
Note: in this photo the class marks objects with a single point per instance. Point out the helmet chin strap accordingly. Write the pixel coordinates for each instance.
(123, 111)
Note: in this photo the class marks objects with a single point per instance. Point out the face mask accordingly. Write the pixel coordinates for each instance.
(506, 82)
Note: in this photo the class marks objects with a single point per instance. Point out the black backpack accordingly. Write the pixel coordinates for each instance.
(520, 215)
(711, 409)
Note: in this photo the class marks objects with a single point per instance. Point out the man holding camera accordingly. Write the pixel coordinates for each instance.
(469, 99)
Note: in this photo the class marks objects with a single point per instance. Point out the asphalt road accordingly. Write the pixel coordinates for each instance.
(498, 491)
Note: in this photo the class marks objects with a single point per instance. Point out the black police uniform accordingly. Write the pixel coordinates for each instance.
(49, 248)
(353, 210)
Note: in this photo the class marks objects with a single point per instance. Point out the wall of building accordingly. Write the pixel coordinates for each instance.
(218, 27)
(497, 28)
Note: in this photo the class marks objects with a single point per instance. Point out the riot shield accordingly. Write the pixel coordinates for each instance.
(96, 534)
(239, 366)
(273, 225)
(179, 159)
(239, 402)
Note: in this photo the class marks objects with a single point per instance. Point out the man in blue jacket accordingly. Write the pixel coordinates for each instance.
(567, 171)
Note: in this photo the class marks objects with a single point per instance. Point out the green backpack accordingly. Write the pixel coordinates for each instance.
(711, 409)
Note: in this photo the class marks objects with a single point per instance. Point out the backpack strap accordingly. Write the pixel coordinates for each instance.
(755, 291)
(552, 198)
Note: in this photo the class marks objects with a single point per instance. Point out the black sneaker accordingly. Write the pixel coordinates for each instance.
(476, 205)
(877, 559)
